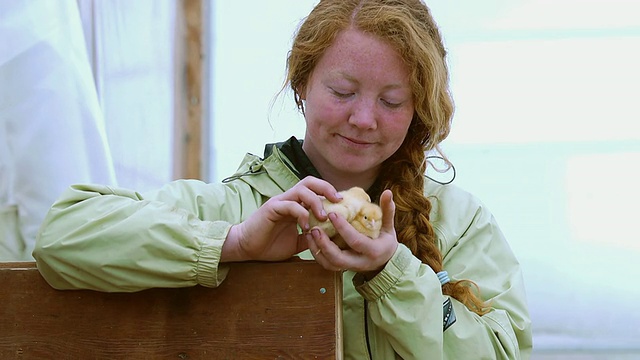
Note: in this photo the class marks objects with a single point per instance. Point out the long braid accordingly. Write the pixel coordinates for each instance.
(405, 178)
(410, 28)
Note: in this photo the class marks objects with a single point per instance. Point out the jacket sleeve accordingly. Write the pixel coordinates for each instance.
(112, 239)
(405, 301)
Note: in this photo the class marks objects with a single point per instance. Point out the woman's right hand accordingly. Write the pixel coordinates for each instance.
(364, 255)
(271, 233)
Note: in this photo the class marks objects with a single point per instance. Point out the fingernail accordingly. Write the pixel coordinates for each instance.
(323, 213)
(339, 196)
(315, 233)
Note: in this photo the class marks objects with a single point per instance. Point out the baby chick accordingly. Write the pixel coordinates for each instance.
(356, 207)
(368, 221)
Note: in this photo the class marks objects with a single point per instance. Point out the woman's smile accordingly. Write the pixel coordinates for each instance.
(358, 108)
(352, 141)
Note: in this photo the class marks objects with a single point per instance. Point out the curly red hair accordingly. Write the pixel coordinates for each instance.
(409, 27)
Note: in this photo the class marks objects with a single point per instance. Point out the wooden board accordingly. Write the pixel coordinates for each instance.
(190, 129)
(285, 310)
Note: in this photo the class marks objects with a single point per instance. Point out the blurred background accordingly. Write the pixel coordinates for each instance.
(546, 130)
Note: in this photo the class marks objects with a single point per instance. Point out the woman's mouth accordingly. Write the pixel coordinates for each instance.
(356, 141)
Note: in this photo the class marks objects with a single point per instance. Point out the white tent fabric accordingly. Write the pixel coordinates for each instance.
(52, 131)
(131, 50)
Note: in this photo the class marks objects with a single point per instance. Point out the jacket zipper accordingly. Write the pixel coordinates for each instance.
(366, 330)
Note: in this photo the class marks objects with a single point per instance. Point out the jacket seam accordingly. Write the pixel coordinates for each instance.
(505, 330)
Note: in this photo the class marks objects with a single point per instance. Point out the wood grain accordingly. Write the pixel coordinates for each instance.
(189, 130)
(286, 310)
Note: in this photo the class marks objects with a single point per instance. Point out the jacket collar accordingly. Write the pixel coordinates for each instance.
(302, 166)
(282, 166)
(298, 160)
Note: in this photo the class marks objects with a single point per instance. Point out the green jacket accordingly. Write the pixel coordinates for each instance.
(112, 239)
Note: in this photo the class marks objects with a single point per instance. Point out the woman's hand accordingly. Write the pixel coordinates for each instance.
(271, 233)
(366, 255)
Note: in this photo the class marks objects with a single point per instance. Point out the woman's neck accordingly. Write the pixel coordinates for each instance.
(339, 178)
(346, 180)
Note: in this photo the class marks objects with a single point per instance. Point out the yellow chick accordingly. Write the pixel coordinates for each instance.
(356, 207)
(368, 221)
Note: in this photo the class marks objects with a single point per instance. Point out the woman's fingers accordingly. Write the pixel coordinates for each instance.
(321, 187)
(307, 194)
(365, 254)
(277, 210)
(310, 192)
(349, 234)
(324, 250)
(388, 207)
(330, 256)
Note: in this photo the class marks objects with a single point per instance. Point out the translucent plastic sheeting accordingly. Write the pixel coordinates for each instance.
(52, 130)
(131, 47)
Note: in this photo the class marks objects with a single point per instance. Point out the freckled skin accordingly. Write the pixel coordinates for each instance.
(358, 108)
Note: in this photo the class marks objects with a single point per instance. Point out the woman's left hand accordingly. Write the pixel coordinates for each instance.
(365, 255)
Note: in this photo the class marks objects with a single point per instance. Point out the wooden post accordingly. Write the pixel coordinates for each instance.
(189, 99)
(283, 310)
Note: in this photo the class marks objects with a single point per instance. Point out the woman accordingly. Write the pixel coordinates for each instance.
(371, 80)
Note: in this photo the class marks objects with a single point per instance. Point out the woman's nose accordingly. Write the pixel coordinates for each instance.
(363, 114)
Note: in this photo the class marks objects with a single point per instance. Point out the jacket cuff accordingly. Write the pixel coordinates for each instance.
(208, 270)
(377, 287)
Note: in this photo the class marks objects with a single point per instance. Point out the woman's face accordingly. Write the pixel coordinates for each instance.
(358, 108)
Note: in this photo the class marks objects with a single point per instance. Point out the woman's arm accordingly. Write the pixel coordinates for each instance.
(111, 239)
(405, 300)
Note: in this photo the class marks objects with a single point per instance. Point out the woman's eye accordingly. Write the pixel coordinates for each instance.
(390, 104)
(342, 95)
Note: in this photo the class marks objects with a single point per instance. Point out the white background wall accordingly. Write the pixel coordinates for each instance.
(546, 133)
(132, 48)
(250, 45)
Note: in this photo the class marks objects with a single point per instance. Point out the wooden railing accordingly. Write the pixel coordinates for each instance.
(284, 310)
